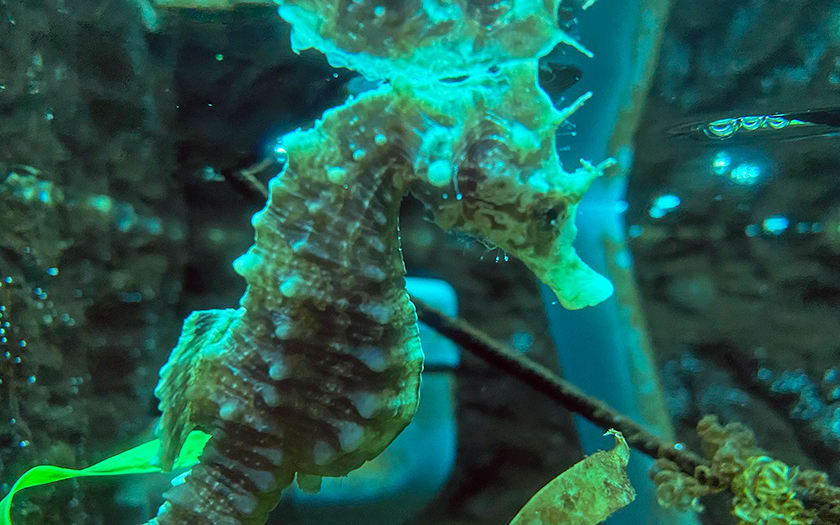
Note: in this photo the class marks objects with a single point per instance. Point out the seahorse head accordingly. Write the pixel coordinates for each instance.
(486, 164)
(473, 120)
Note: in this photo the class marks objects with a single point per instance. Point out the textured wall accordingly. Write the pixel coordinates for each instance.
(91, 240)
(743, 309)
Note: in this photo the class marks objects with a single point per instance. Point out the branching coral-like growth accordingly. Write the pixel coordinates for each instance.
(764, 489)
(319, 368)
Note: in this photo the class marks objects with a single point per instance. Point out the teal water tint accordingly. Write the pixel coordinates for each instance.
(600, 349)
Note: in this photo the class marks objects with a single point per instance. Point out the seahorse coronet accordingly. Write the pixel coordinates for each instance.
(318, 370)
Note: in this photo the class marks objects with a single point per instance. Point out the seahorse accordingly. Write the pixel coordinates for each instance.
(318, 369)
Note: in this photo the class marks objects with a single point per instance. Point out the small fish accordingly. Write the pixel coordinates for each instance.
(777, 126)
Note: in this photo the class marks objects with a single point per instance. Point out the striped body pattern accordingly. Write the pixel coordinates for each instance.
(318, 370)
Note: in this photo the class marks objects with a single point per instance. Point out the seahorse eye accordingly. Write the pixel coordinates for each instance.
(548, 218)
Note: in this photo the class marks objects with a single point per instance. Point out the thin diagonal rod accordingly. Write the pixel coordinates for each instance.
(544, 380)
(825, 500)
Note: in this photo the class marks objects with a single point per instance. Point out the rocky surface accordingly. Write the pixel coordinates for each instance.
(90, 243)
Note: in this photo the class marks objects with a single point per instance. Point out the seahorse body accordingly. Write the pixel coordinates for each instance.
(319, 368)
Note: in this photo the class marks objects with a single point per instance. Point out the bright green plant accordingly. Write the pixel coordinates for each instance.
(138, 460)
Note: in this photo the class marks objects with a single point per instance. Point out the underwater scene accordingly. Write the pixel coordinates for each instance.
(419, 262)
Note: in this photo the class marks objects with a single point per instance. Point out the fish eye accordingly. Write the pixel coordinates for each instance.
(721, 129)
